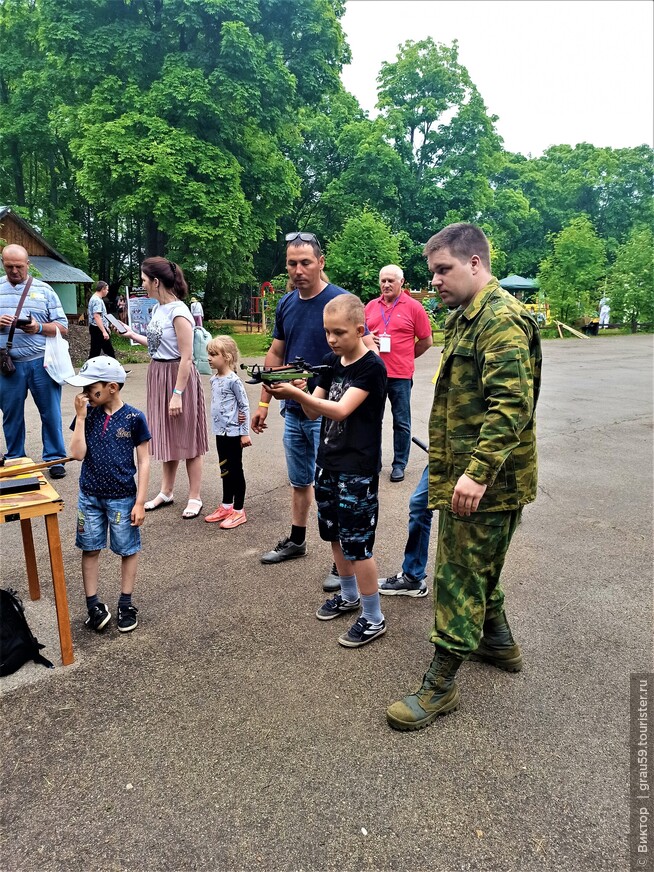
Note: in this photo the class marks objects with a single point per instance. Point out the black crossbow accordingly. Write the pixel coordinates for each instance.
(271, 375)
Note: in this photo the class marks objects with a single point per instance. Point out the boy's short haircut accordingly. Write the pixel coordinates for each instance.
(226, 346)
(349, 306)
(463, 241)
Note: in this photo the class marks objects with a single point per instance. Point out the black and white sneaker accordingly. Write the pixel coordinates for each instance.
(335, 607)
(401, 585)
(99, 617)
(361, 632)
(126, 620)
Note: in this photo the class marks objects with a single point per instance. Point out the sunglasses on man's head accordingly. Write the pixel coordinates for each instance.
(304, 237)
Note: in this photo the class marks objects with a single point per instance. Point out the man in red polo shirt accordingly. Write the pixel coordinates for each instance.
(402, 332)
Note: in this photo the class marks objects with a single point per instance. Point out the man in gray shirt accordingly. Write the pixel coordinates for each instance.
(43, 308)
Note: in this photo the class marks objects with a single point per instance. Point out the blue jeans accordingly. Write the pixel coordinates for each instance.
(30, 375)
(97, 515)
(416, 550)
(398, 392)
(301, 440)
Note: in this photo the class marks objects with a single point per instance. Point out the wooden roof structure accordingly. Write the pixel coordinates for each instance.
(52, 266)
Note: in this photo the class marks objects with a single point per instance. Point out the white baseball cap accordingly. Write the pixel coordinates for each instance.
(103, 368)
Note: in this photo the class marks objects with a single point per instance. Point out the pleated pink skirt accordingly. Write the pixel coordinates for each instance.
(184, 436)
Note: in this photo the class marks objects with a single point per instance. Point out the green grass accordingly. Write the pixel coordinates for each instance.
(249, 344)
(252, 344)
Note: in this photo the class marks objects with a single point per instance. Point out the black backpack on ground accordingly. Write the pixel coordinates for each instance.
(17, 642)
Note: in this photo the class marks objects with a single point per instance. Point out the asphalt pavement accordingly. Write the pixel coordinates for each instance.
(231, 732)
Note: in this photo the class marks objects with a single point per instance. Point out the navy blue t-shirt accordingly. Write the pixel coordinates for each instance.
(353, 445)
(108, 469)
(299, 324)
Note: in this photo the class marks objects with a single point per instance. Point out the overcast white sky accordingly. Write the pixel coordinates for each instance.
(554, 71)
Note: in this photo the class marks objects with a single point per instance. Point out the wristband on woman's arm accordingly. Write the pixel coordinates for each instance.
(178, 392)
(40, 328)
(264, 405)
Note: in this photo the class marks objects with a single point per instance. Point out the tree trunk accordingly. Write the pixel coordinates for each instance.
(155, 239)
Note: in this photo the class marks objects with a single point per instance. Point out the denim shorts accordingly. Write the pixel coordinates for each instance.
(301, 440)
(95, 514)
(348, 507)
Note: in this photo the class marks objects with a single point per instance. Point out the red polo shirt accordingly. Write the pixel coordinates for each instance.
(407, 321)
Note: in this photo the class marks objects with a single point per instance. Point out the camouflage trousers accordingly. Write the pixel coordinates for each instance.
(467, 589)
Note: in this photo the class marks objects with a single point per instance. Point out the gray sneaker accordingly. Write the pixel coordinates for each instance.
(284, 550)
(401, 585)
(333, 581)
(335, 607)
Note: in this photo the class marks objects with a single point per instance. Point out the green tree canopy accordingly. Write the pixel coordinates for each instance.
(570, 276)
(631, 279)
(356, 255)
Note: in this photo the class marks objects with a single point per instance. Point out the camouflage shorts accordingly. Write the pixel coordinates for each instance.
(467, 589)
(348, 506)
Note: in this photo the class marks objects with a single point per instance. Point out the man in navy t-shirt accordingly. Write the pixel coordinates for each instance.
(299, 332)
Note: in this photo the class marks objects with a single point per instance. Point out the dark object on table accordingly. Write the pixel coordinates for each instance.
(19, 485)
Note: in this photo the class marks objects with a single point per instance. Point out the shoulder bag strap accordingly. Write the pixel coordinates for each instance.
(12, 329)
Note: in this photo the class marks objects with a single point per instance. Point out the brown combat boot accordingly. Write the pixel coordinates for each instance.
(437, 695)
(497, 646)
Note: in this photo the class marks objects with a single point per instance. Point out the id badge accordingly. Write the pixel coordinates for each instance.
(384, 342)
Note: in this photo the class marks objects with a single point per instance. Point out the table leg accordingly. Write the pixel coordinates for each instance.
(59, 583)
(30, 559)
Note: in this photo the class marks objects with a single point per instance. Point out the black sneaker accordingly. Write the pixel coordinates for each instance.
(57, 471)
(397, 473)
(335, 607)
(126, 620)
(361, 632)
(401, 585)
(284, 550)
(99, 617)
(333, 581)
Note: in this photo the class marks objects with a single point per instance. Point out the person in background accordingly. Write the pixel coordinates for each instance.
(410, 580)
(197, 311)
(121, 305)
(402, 331)
(230, 417)
(42, 315)
(175, 399)
(99, 329)
(106, 435)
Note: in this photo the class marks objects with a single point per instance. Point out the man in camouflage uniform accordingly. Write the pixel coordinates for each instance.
(482, 465)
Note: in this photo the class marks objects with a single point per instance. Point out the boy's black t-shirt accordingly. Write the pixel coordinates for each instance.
(354, 445)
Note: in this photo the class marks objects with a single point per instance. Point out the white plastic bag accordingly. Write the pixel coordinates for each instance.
(56, 359)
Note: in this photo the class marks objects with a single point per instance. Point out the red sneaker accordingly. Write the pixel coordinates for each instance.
(219, 515)
(234, 520)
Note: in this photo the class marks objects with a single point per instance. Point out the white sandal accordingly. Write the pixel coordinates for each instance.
(152, 505)
(188, 513)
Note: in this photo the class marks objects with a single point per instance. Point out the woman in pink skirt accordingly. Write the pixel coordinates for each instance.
(175, 404)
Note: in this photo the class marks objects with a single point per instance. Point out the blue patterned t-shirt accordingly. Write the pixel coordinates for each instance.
(108, 469)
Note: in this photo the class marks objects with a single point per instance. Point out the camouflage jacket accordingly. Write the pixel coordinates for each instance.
(482, 419)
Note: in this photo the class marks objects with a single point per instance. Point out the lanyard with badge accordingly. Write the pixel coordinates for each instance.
(384, 338)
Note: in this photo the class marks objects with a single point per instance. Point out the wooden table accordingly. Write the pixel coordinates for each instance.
(44, 503)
